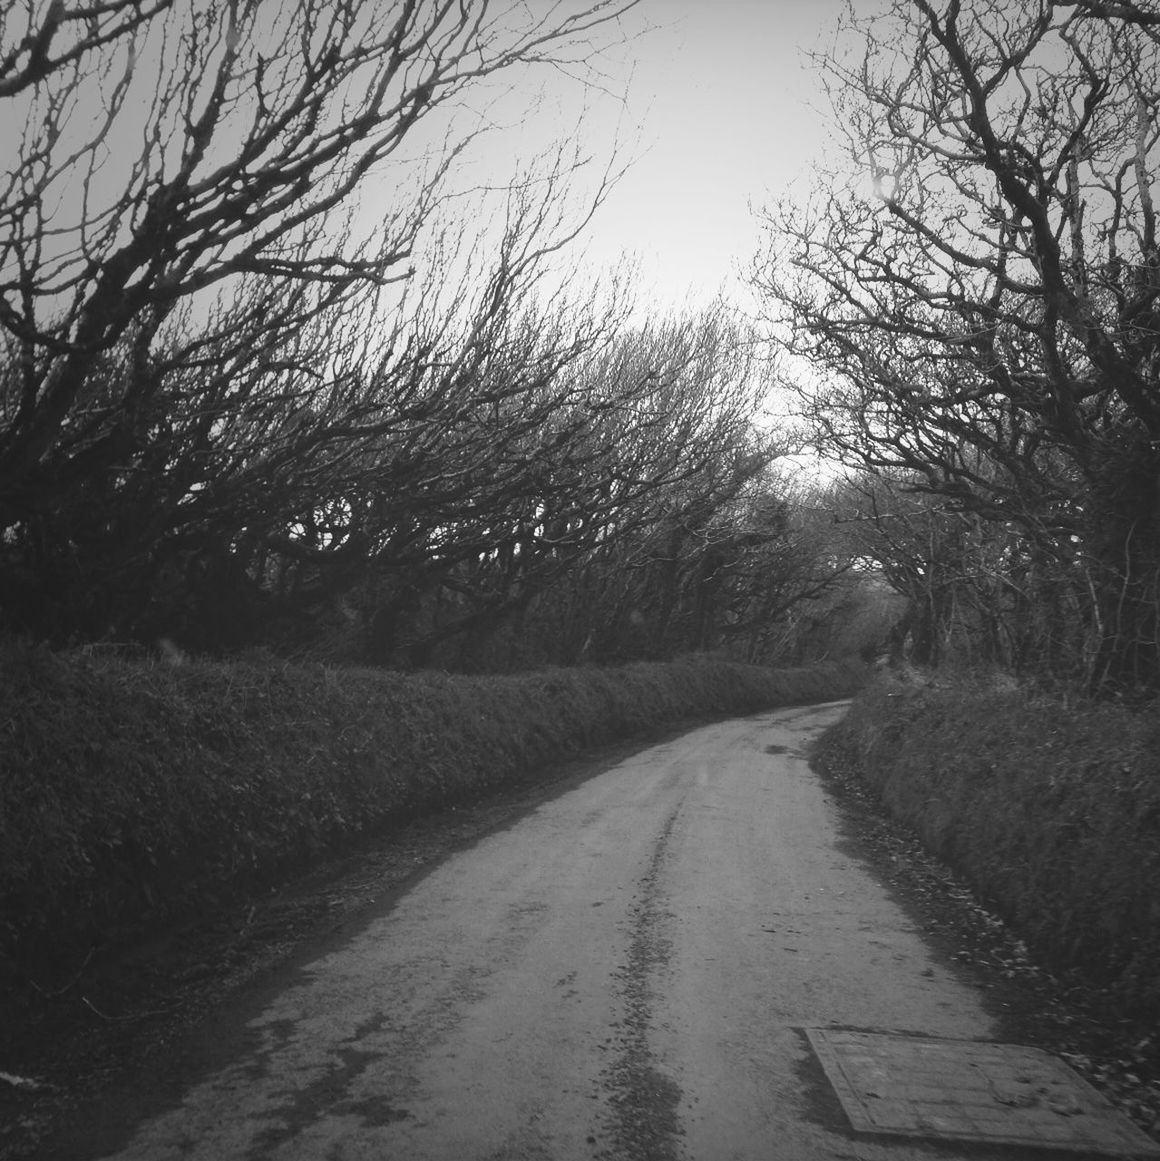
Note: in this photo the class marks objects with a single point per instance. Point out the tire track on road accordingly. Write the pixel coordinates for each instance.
(643, 1098)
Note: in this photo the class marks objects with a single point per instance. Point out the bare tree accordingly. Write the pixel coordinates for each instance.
(198, 345)
(53, 37)
(169, 149)
(980, 297)
(298, 443)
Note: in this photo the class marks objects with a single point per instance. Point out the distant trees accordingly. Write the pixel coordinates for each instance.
(980, 301)
(952, 568)
(674, 463)
(649, 523)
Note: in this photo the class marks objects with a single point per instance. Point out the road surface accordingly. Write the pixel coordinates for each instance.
(621, 975)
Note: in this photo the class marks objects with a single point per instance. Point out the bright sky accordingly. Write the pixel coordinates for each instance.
(718, 108)
(731, 114)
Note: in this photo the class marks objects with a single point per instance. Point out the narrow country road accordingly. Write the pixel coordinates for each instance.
(622, 974)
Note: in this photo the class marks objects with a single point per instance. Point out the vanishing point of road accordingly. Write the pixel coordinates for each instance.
(621, 975)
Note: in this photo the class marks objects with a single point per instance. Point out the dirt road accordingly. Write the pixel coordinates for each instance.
(622, 974)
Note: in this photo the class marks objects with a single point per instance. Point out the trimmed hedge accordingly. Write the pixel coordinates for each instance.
(1050, 809)
(131, 792)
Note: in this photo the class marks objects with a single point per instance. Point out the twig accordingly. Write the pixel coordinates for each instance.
(119, 1019)
(72, 983)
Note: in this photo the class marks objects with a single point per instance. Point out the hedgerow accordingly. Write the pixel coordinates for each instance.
(134, 791)
(1049, 808)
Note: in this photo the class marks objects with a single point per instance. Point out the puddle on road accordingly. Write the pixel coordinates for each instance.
(774, 749)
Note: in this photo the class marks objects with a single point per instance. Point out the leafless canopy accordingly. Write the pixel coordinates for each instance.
(170, 146)
(978, 289)
(242, 403)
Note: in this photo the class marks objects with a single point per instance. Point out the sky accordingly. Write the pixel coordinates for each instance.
(730, 114)
(716, 108)
(719, 110)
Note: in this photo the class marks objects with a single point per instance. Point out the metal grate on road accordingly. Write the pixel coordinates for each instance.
(971, 1091)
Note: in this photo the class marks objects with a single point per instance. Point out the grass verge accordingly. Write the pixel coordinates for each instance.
(132, 793)
(1049, 809)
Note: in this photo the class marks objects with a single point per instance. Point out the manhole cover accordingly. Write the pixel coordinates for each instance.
(966, 1091)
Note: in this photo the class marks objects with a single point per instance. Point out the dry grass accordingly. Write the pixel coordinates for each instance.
(1051, 809)
(132, 791)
